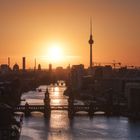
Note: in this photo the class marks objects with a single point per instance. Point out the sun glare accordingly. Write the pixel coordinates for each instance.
(55, 52)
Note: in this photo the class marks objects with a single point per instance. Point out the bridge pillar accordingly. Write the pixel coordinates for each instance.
(27, 110)
(109, 108)
(91, 109)
(71, 111)
(109, 103)
(47, 108)
(116, 110)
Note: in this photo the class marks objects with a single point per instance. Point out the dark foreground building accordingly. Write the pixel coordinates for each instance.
(10, 128)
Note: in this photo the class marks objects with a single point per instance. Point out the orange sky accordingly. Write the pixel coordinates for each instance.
(27, 27)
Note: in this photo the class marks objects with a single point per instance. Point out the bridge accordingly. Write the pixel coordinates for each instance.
(71, 107)
(91, 109)
(41, 108)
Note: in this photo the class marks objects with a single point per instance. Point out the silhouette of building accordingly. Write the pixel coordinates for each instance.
(50, 67)
(132, 92)
(59, 72)
(39, 67)
(4, 68)
(16, 67)
(77, 73)
(24, 63)
(35, 65)
(103, 71)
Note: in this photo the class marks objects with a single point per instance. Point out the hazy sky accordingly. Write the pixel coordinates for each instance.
(29, 27)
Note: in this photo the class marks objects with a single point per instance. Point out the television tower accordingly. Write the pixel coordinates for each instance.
(91, 42)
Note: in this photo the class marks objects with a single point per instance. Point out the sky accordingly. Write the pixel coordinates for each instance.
(31, 27)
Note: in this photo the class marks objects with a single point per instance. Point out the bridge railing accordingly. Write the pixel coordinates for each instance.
(29, 107)
(76, 108)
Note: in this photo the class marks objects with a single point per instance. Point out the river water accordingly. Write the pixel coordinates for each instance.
(60, 127)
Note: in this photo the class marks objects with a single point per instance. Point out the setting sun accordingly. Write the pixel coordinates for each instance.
(55, 52)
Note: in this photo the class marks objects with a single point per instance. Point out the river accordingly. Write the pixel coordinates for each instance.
(81, 127)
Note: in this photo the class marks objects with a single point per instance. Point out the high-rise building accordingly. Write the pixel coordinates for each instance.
(77, 73)
(50, 67)
(39, 67)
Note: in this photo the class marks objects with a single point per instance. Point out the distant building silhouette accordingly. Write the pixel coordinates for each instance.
(4, 68)
(103, 71)
(77, 73)
(35, 65)
(50, 67)
(132, 93)
(16, 67)
(39, 67)
(59, 71)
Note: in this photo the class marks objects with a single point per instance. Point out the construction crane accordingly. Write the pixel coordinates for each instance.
(114, 64)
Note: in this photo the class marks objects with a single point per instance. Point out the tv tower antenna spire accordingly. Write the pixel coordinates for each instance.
(91, 42)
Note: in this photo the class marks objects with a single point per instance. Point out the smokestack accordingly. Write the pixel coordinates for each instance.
(9, 62)
(23, 63)
(35, 65)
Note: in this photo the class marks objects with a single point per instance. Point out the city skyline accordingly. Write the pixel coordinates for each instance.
(30, 28)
